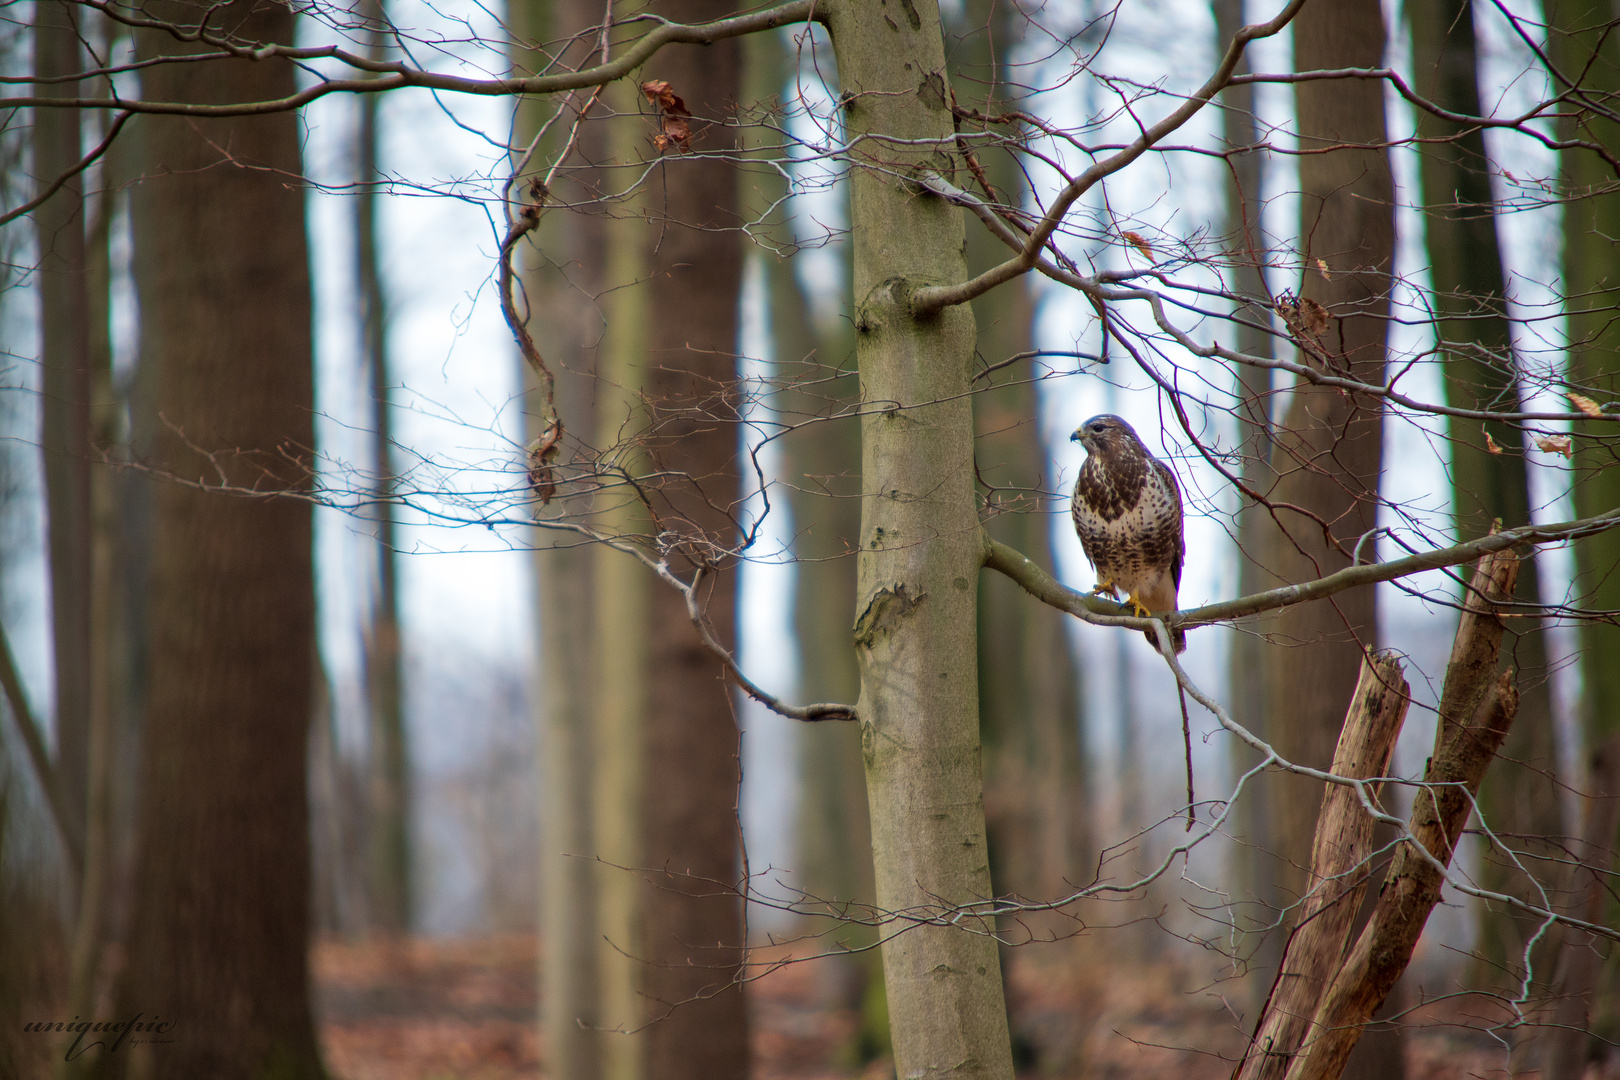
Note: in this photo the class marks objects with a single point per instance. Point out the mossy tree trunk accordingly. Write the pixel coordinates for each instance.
(921, 550)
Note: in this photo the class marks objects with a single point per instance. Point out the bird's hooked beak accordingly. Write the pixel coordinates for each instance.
(1076, 437)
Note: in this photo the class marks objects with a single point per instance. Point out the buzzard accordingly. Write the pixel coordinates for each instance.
(1127, 510)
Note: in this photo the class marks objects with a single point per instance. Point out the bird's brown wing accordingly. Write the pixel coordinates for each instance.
(1174, 522)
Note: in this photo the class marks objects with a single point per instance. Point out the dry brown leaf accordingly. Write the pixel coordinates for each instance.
(1490, 444)
(1556, 444)
(1314, 316)
(1139, 243)
(661, 94)
(674, 131)
(1585, 404)
(1321, 266)
(542, 452)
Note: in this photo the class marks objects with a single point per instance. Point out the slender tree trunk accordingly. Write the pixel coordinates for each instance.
(694, 929)
(814, 362)
(388, 752)
(1328, 446)
(1246, 248)
(1327, 449)
(1520, 799)
(1347, 212)
(220, 921)
(111, 701)
(565, 269)
(920, 553)
(1029, 706)
(1582, 45)
(621, 682)
(65, 395)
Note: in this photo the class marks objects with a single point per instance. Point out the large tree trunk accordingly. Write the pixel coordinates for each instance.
(1521, 798)
(920, 553)
(694, 932)
(220, 921)
(1328, 448)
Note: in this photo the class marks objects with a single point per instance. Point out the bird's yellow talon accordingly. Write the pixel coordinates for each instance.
(1105, 587)
(1137, 608)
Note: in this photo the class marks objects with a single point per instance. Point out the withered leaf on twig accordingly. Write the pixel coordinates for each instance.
(1585, 404)
(673, 116)
(1304, 316)
(542, 452)
(1556, 444)
(1140, 244)
(1491, 444)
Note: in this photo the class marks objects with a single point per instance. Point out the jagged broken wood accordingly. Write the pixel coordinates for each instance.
(1339, 870)
(1477, 707)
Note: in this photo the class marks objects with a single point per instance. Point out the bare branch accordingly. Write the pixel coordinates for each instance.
(1044, 587)
(928, 301)
(807, 713)
(394, 74)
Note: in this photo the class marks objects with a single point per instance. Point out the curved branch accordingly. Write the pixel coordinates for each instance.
(1049, 590)
(807, 713)
(394, 75)
(930, 300)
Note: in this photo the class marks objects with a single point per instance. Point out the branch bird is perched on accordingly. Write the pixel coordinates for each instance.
(1127, 510)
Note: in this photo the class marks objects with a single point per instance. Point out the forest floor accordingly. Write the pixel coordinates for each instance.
(465, 1009)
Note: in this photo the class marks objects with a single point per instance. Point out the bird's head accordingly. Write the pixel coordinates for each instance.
(1103, 431)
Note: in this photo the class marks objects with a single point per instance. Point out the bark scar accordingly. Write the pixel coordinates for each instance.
(884, 613)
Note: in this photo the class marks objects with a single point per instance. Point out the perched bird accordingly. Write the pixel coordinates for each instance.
(1127, 510)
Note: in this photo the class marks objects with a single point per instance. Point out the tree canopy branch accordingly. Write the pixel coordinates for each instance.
(929, 301)
(395, 75)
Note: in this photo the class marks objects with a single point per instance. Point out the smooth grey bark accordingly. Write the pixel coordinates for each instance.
(920, 554)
